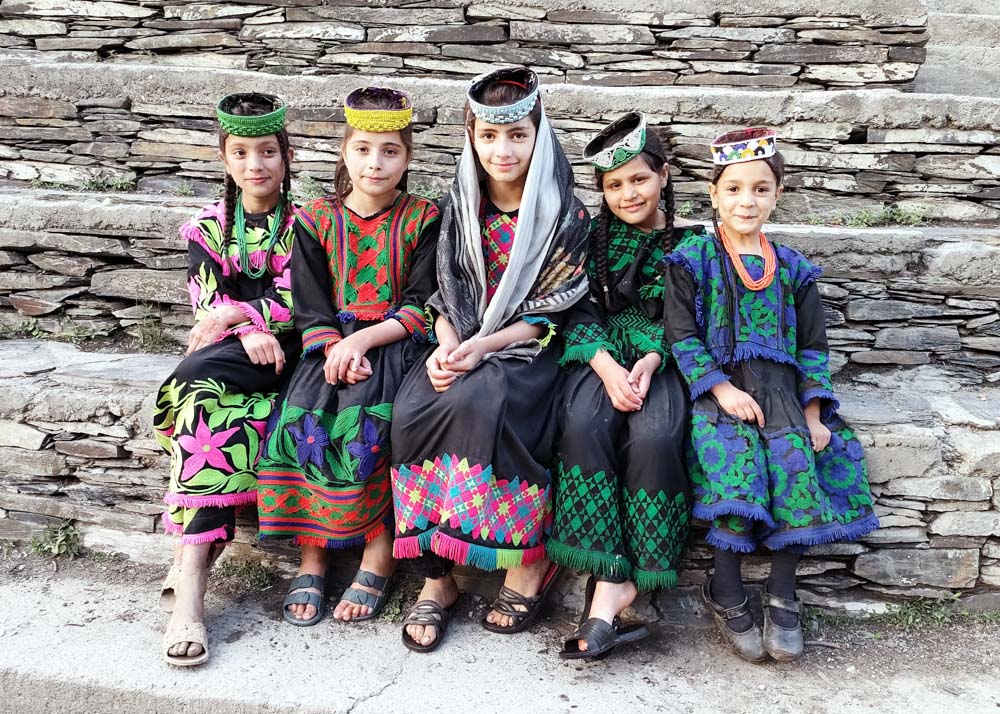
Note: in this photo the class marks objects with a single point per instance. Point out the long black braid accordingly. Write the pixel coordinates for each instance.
(667, 198)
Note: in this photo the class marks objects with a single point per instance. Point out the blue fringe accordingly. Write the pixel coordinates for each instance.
(829, 404)
(724, 541)
(704, 384)
(733, 508)
(699, 306)
(745, 351)
(826, 533)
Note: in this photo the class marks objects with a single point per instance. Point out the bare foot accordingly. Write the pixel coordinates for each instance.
(377, 559)
(313, 563)
(526, 580)
(189, 605)
(443, 591)
(610, 599)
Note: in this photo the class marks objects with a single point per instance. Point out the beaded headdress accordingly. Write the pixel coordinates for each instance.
(607, 157)
(751, 144)
(378, 120)
(519, 77)
(257, 125)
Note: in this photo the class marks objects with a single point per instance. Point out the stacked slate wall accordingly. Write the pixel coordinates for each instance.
(789, 43)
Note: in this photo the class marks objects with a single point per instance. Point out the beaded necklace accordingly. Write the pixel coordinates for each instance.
(770, 261)
(240, 229)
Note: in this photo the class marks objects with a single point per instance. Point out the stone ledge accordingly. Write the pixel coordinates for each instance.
(929, 450)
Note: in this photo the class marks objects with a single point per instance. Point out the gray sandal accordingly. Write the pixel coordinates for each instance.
(365, 598)
(298, 595)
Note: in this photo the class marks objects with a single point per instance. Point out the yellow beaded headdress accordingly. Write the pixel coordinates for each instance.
(378, 120)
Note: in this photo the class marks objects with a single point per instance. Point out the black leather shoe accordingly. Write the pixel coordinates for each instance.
(747, 645)
(785, 644)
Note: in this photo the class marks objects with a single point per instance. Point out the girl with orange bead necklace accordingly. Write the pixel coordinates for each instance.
(771, 463)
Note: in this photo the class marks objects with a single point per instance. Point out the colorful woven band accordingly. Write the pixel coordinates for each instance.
(607, 157)
(378, 120)
(510, 113)
(744, 145)
(257, 125)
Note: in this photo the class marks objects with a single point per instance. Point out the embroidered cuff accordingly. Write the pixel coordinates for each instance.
(550, 326)
(414, 320)
(828, 402)
(705, 383)
(316, 338)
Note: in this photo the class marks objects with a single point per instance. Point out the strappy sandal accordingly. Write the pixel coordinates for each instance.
(748, 645)
(601, 638)
(365, 598)
(429, 614)
(508, 601)
(298, 594)
(784, 644)
(168, 596)
(190, 632)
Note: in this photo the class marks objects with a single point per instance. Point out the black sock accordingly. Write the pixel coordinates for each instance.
(781, 583)
(727, 586)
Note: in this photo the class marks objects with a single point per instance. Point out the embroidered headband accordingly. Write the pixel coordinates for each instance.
(378, 120)
(519, 77)
(257, 125)
(751, 144)
(607, 157)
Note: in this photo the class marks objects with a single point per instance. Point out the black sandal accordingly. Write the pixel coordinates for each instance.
(601, 638)
(429, 614)
(365, 598)
(298, 595)
(508, 599)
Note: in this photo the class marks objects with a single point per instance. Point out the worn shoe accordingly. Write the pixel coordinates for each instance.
(785, 644)
(749, 645)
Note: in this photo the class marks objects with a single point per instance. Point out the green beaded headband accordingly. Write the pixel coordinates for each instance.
(256, 125)
(608, 157)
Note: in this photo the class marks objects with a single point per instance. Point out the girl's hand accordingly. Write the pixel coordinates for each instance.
(737, 403)
(348, 355)
(361, 374)
(205, 332)
(263, 348)
(819, 433)
(619, 388)
(440, 376)
(466, 356)
(642, 373)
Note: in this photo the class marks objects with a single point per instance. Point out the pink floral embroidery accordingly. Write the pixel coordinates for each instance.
(204, 448)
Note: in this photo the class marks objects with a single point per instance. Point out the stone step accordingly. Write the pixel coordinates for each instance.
(932, 455)
(848, 151)
(964, 30)
(961, 7)
(968, 71)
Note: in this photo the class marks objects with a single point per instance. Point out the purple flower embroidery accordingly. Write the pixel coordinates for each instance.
(310, 441)
(368, 451)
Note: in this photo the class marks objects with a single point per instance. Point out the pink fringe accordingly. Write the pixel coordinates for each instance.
(170, 527)
(218, 501)
(406, 548)
(450, 548)
(207, 537)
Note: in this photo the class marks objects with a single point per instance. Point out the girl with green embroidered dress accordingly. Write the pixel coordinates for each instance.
(211, 412)
(472, 434)
(363, 270)
(771, 463)
(622, 503)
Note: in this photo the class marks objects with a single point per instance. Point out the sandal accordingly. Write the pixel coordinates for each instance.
(298, 595)
(365, 598)
(601, 638)
(429, 614)
(167, 595)
(507, 601)
(190, 632)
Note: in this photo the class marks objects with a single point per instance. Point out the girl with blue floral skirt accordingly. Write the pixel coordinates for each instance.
(771, 463)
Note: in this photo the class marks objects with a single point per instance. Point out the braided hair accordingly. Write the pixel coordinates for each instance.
(654, 155)
(252, 106)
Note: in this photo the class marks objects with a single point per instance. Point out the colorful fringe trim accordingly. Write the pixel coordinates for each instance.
(212, 536)
(465, 553)
(598, 563)
(333, 544)
(243, 498)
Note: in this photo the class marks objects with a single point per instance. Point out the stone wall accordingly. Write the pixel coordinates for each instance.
(75, 443)
(807, 44)
(936, 156)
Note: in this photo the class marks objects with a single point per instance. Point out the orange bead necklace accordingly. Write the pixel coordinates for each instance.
(770, 261)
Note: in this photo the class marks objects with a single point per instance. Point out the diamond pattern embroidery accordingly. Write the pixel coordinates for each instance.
(587, 511)
(657, 526)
